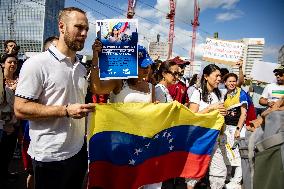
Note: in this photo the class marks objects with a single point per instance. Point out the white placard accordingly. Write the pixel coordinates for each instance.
(158, 50)
(221, 51)
(263, 71)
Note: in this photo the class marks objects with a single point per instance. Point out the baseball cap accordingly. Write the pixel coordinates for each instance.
(279, 69)
(144, 59)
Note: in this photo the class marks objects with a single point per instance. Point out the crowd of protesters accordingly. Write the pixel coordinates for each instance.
(44, 109)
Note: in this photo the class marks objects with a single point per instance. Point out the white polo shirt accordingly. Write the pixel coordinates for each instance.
(273, 92)
(50, 78)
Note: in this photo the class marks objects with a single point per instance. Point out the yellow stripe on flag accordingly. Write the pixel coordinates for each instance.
(147, 119)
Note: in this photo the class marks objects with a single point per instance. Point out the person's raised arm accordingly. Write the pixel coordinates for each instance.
(98, 86)
(241, 74)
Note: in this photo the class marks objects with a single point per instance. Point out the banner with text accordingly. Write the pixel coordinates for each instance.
(158, 50)
(118, 59)
(221, 51)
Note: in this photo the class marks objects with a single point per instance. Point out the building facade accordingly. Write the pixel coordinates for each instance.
(253, 51)
(281, 56)
(29, 22)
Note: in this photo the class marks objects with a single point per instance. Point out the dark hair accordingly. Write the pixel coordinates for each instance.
(65, 11)
(164, 67)
(50, 40)
(229, 75)
(224, 71)
(6, 56)
(193, 80)
(205, 93)
(9, 41)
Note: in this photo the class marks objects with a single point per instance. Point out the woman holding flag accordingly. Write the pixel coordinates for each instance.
(204, 100)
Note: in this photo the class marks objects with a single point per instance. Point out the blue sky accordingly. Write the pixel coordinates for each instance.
(232, 19)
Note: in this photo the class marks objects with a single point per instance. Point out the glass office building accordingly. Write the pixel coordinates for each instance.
(29, 22)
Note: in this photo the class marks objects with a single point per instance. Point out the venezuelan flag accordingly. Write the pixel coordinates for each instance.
(134, 144)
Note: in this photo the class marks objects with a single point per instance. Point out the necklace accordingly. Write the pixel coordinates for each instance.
(10, 82)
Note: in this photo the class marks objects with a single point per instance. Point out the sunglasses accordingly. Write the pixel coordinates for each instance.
(280, 74)
(173, 73)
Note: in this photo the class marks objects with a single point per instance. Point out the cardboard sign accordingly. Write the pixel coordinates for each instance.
(159, 50)
(223, 52)
(263, 71)
(118, 59)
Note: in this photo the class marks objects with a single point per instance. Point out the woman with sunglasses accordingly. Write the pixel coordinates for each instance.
(166, 76)
(204, 100)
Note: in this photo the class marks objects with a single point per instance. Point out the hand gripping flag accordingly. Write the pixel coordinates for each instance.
(134, 144)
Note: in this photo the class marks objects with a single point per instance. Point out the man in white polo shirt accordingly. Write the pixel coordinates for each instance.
(51, 94)
(274, 91)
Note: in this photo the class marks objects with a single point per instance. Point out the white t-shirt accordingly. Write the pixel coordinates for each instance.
(273, 91)
(196, 98)
(50, 79)
(162, 94)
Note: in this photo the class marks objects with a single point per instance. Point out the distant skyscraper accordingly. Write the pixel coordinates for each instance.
(281, 56)
(29, 22)
(253, 50)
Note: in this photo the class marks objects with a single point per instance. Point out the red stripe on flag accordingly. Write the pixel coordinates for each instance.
(176, 164)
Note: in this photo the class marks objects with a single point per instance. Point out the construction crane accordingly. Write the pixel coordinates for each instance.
(171, 17)
(131, 9)
(195, 24)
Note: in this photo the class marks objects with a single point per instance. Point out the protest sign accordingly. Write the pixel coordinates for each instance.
(221, 51)
(159, 50)
(263, 71)
(118, 59)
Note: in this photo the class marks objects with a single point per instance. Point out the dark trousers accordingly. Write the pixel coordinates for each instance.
(7, 147)
(63, 174)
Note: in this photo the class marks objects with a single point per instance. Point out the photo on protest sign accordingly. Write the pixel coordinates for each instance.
(118, 58)
(159, 50)
(223, 52)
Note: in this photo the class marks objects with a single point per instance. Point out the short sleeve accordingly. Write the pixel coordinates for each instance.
(195, 97)
(265, 92)
(30, 82)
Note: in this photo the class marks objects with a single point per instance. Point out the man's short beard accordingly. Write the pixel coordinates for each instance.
(72, 44)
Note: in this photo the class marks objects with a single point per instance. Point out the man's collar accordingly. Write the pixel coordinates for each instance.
(58, 55)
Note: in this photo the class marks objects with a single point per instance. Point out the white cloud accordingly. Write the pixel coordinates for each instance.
(271, 53)
(222, 17)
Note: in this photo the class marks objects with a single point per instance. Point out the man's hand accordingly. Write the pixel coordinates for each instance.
(78, 111)
(270, 104)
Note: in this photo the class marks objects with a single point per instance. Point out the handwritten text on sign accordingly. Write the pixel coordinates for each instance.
(221, 51)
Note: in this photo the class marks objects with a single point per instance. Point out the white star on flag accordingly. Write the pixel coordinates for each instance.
(171, 140)
(164, 134)
(157, 136)
(147, 145)
(137, 151)
(169, 134)
(171, 147)
(131, 162)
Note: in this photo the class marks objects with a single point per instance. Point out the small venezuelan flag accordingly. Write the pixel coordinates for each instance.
(134, 144)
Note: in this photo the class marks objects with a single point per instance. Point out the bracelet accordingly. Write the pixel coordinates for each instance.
(67, 114)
